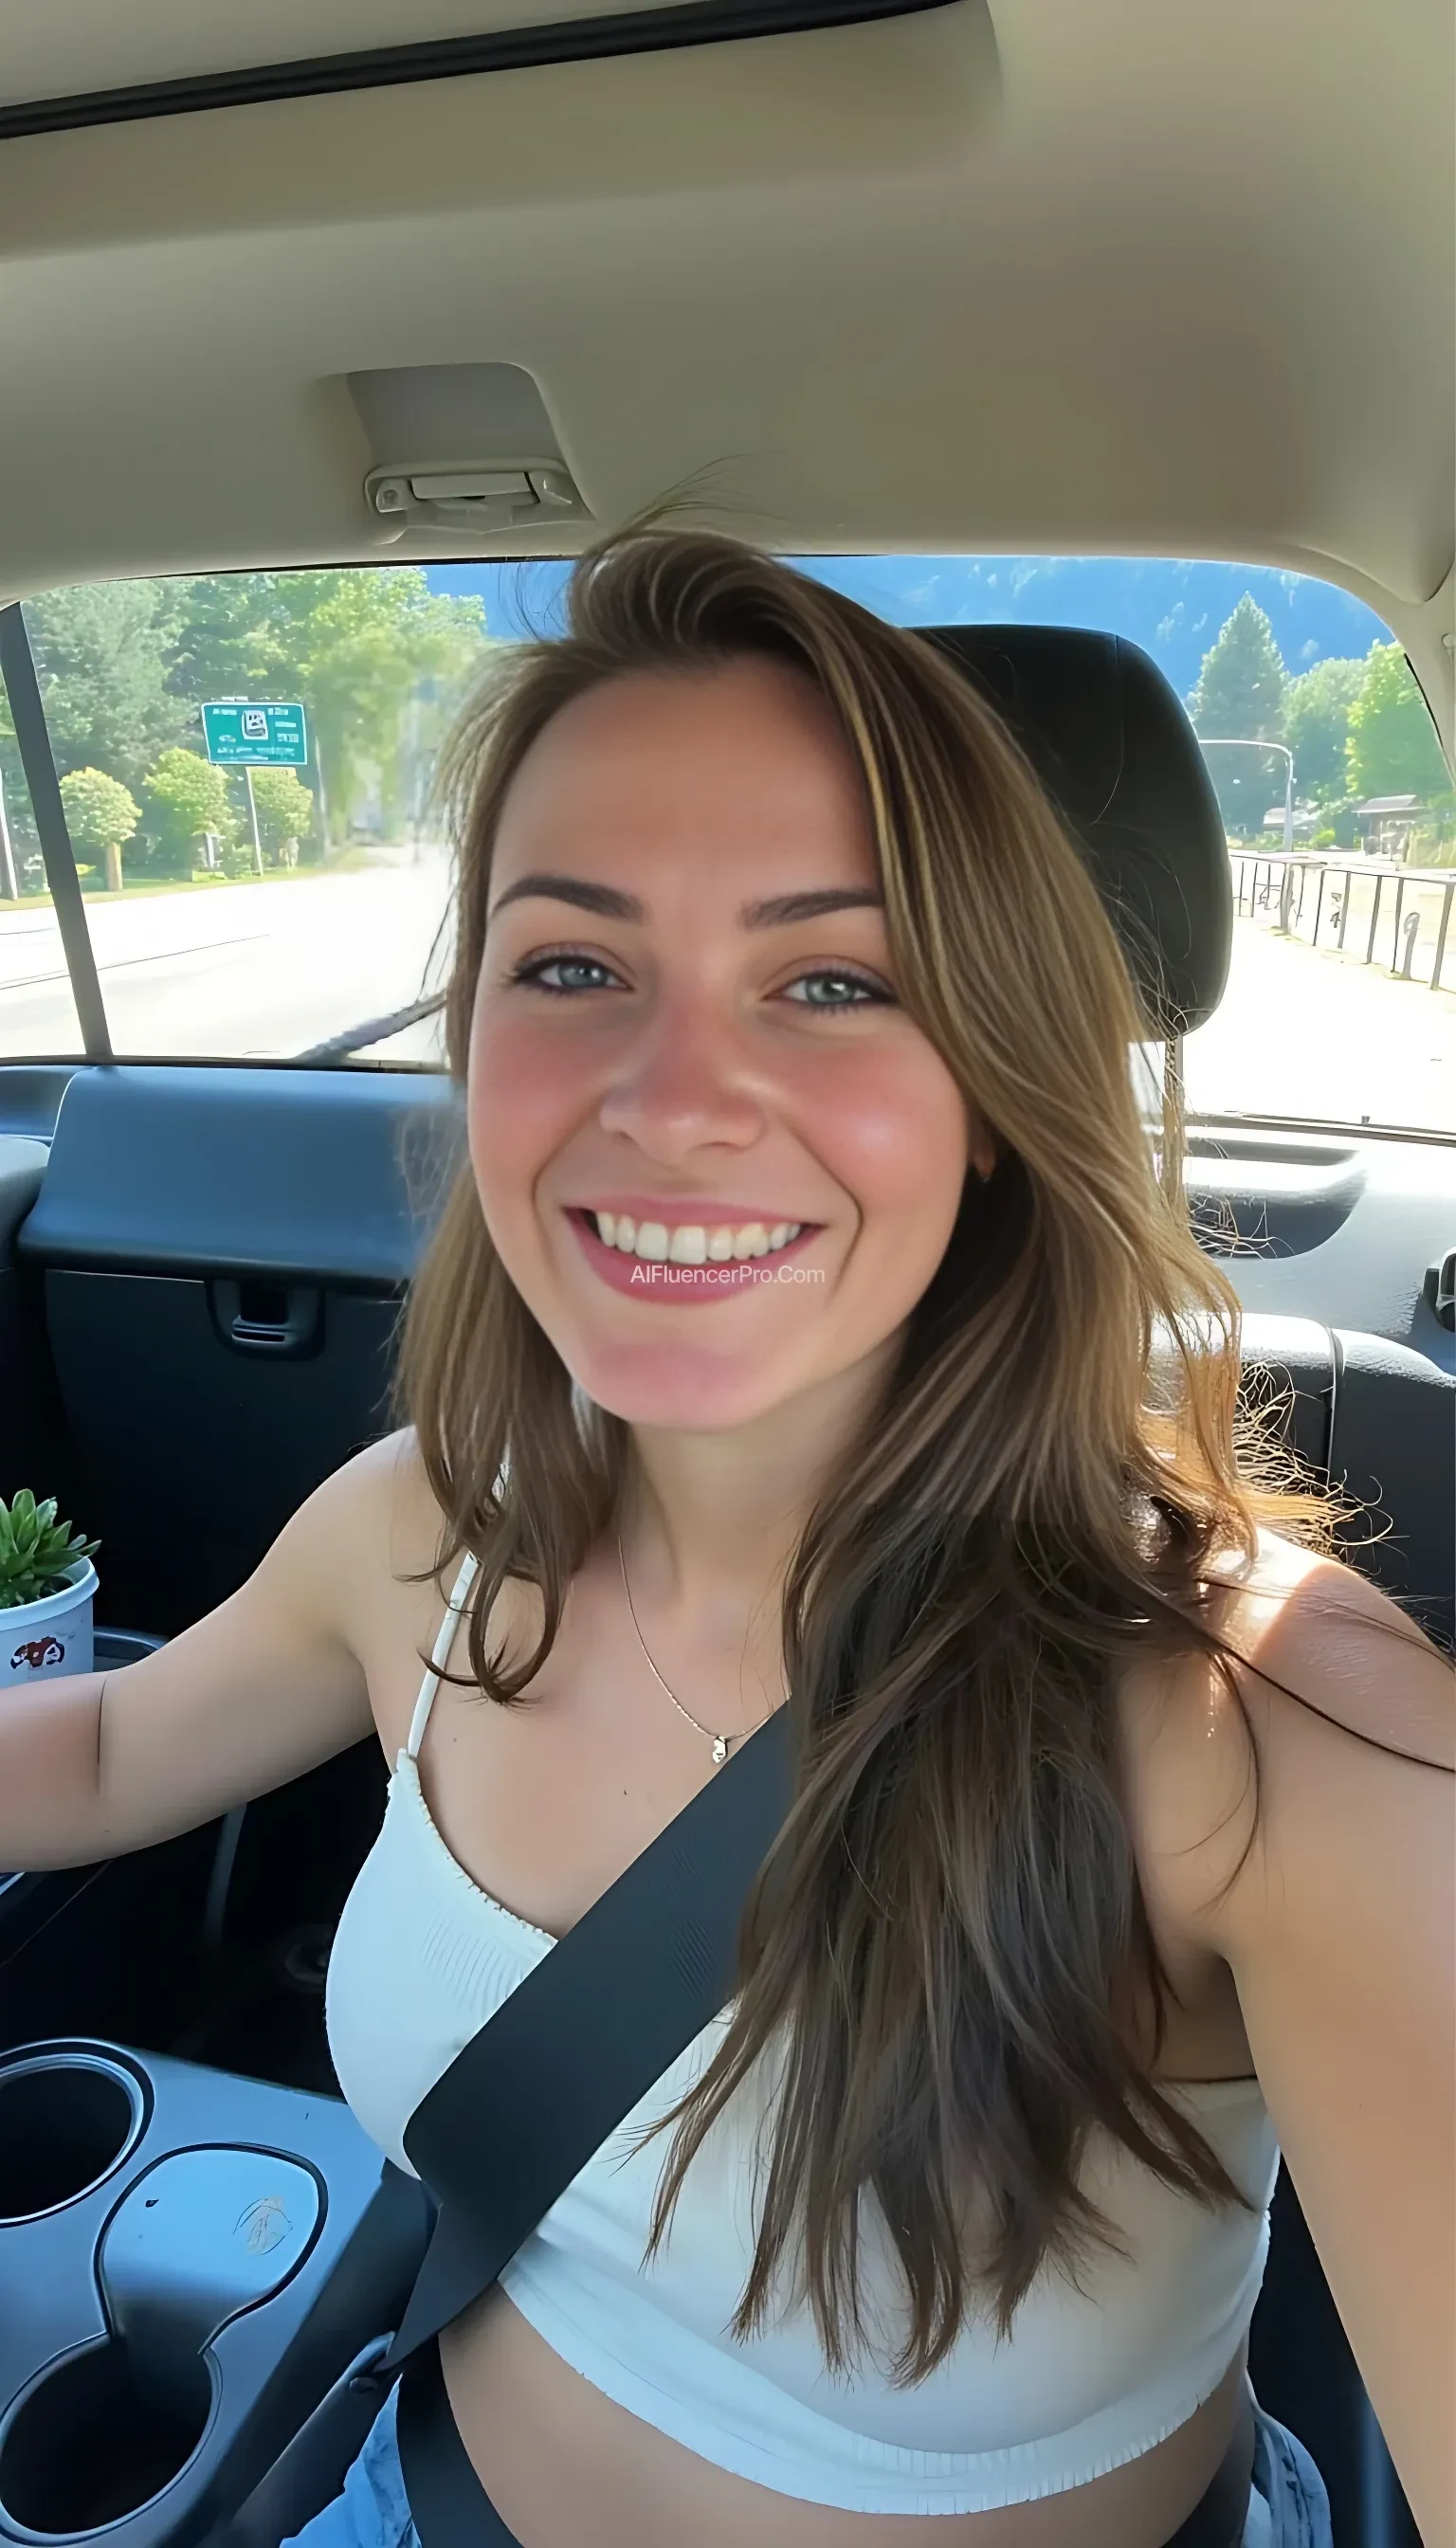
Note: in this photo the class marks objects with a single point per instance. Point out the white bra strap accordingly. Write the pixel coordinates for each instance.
(439, 1656)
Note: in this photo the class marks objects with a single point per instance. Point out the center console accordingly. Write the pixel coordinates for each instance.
(188, 2260)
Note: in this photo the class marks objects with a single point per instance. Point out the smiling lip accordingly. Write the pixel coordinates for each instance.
(688, 1210)
(668, 1286)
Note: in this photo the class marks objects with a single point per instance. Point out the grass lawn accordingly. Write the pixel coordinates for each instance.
(345, 862)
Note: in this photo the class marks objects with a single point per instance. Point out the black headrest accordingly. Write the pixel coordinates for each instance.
(1110, 741)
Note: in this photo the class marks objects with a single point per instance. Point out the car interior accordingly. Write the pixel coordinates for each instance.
(864, 277)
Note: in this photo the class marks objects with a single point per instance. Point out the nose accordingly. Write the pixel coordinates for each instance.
(685, 1083)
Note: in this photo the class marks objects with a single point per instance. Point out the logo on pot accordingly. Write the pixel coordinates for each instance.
(262, 2225)
(39, 1652)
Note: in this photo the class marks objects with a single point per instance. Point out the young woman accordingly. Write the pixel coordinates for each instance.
(809, 1326)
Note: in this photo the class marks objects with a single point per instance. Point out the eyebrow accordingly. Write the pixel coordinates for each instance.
(608, 901)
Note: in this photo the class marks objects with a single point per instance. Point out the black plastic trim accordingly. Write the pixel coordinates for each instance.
(291, 1177)
(1326, 1126)
(1395, 1421)
(511, 49)
(37, 761)
(1276, 1199)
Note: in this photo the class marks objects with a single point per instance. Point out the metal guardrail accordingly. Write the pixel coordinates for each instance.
(1328, 888)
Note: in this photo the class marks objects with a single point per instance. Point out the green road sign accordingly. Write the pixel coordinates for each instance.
(242, 734)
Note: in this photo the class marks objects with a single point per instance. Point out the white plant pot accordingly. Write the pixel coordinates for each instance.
(51, 1639)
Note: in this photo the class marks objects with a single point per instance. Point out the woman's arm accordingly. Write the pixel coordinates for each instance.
(1342, 1936)
(262, 1688)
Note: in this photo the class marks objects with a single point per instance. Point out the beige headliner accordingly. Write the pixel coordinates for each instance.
(1122, 277)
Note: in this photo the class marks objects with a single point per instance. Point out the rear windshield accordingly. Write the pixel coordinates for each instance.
(246, 765)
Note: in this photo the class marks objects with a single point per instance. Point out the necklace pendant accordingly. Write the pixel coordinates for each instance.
(720, 1748)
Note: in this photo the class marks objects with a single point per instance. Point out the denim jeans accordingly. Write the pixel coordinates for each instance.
(1289, 2508)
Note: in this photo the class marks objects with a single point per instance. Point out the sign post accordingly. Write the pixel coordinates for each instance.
(255, 734)
(252, 816)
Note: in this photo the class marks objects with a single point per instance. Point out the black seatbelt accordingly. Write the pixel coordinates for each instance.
(580, 2041)
(559, 2066)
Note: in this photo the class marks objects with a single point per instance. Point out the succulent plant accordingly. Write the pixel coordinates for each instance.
(36, 1550)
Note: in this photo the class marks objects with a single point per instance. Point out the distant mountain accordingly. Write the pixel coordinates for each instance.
(1173, 608)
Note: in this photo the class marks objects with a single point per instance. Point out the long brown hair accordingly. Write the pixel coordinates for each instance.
(942, 1935)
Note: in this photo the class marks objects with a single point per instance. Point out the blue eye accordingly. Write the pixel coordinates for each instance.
(536, 967)
(578, 975)
(849, 990)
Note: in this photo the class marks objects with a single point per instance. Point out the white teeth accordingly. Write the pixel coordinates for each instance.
(692, 1243)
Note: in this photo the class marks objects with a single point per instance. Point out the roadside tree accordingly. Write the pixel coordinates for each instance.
(1239, 692)
(100, 816)
(182, 798)
(101, 659)
(284, 812)
(1317, 724)
(358, 646)
(1393, 748)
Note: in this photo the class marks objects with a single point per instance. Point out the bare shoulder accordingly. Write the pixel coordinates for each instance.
(370, 1526)
(1323, 1677)
(381, 1537)
(1326, 1652)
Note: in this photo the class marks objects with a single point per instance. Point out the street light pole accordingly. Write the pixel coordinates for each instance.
(1256, 743)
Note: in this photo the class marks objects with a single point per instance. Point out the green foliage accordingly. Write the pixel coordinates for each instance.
(102, 653)
(1340, 822)
(377, 659)
(361, 648)
(1393, 748)
(1317, 724)
(1239, 692)
(36, 1550)
(100, 813)
(19, 820)
(223, 646)
(285, 806)
(237, 856)
(183, 796)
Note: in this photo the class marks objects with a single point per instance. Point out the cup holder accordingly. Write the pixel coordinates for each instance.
(101, 2436)
(66, 2120)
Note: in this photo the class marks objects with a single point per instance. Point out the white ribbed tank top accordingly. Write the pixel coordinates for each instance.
(422, 1957)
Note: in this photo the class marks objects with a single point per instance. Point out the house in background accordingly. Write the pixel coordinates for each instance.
(1389, 822)
(1305, 821)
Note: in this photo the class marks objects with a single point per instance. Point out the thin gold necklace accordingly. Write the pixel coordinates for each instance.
(719, 1741)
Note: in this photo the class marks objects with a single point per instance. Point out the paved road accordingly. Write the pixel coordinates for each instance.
(268, 969)
(247, 969)
(1301, 1031)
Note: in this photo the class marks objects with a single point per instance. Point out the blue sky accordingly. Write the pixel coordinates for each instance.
(1173, 608)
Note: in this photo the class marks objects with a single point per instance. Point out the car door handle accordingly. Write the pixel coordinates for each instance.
(277, 1319)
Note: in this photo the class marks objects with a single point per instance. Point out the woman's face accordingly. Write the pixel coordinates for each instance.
(720, 1162)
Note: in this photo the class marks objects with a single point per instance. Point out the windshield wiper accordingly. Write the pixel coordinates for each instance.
(373, 1030)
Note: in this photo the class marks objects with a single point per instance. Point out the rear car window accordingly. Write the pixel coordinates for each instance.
(245, 762)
